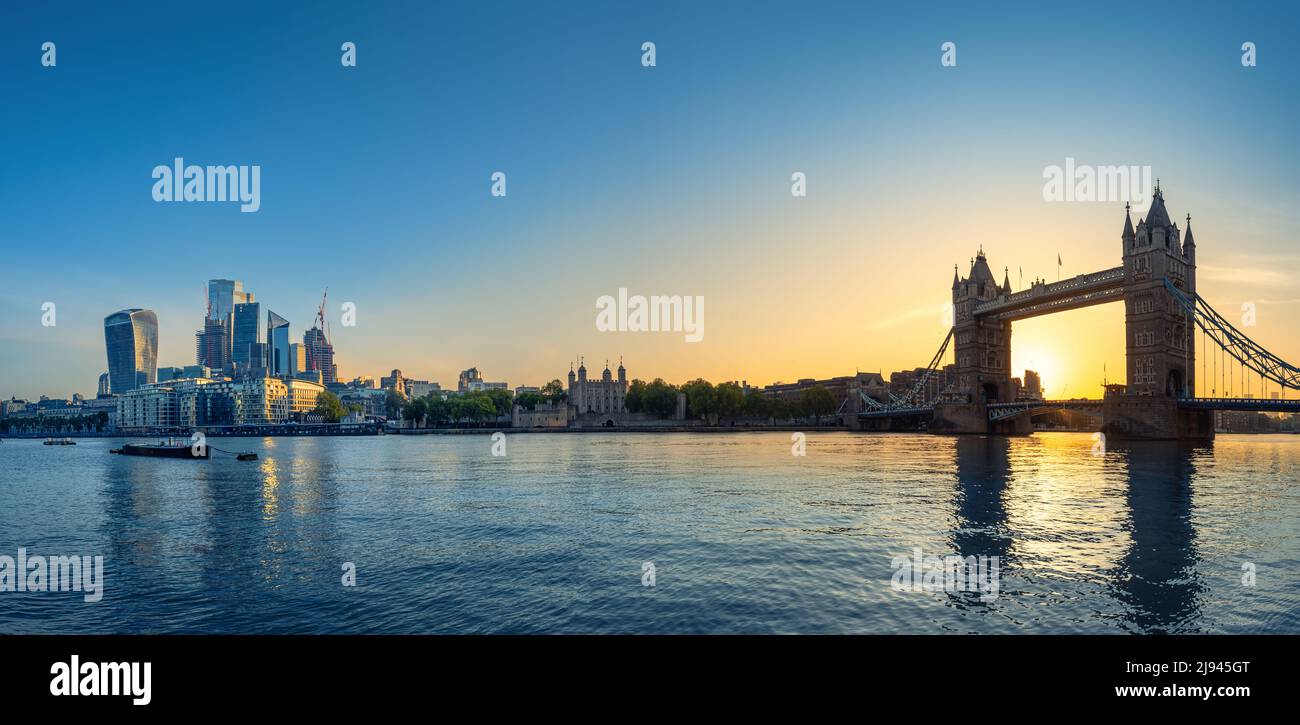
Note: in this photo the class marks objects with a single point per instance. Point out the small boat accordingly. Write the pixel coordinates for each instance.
(164, 449)
(246, 457)
(60, 442)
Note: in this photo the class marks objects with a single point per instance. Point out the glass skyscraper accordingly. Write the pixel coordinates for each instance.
(215, 343)
(131, 341)
(248, 332)
(277, 345)
(223, 295)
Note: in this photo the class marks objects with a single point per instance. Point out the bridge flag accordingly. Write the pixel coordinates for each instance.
(1058, 266)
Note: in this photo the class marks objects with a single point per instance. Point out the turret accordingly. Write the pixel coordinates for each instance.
(1129, 236)
(981, 277)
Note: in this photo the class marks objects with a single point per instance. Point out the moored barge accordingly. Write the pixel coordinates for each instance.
(164, 449)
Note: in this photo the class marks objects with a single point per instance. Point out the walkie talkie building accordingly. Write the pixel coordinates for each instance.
(131, 340)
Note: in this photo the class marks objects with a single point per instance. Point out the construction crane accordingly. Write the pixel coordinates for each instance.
(320, 315)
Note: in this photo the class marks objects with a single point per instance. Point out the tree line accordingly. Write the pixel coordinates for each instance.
(725, 401)
(56, 424)
(704, 401)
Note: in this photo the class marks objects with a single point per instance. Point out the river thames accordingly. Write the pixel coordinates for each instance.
(743, 536)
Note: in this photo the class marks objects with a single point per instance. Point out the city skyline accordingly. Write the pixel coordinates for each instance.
(666, 180)
(358, 322)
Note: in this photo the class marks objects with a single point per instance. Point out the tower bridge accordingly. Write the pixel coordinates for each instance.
(1157, 284)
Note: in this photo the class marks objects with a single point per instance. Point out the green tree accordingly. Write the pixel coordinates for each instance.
(438, 409)
(554, 392)
(730, 400)
(817, 401)
(701, 399)
(660, 398)
(757, 406)
(472, 407)
(634, 401)
(479, 407)
(393, 403)
(415, 411)
(528, 400)
(329, 407)
(780, 409)
(502, 400)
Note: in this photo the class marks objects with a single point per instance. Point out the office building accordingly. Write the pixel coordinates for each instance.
(223, 295)
(421, 388)
(196, 371)
(848, 391)
(277, 345)
(203, 402)
(213, 344)
(131, 344)
(471, 380)
(320, 354)
(394, 381)
(169, 373)
(248, 332)
(297, 359)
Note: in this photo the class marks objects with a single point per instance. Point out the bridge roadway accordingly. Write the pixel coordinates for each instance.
(1258, 405)
(1084, 290)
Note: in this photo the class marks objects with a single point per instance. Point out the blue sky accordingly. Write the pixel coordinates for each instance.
(664, 180)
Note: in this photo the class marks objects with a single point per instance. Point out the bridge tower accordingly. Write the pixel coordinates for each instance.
(1160, 337)
(983, 344)
(1159, 344)
(982, 351)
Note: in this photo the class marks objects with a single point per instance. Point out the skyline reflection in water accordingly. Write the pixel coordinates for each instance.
(1149, 537)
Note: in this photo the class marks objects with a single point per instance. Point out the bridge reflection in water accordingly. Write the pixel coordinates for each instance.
(1140, 548)
(1158, 579)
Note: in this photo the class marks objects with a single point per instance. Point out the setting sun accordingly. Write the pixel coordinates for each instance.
(1072, 351)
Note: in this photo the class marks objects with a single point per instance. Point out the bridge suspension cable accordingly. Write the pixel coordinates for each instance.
(910, 398)
(1233, 342)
